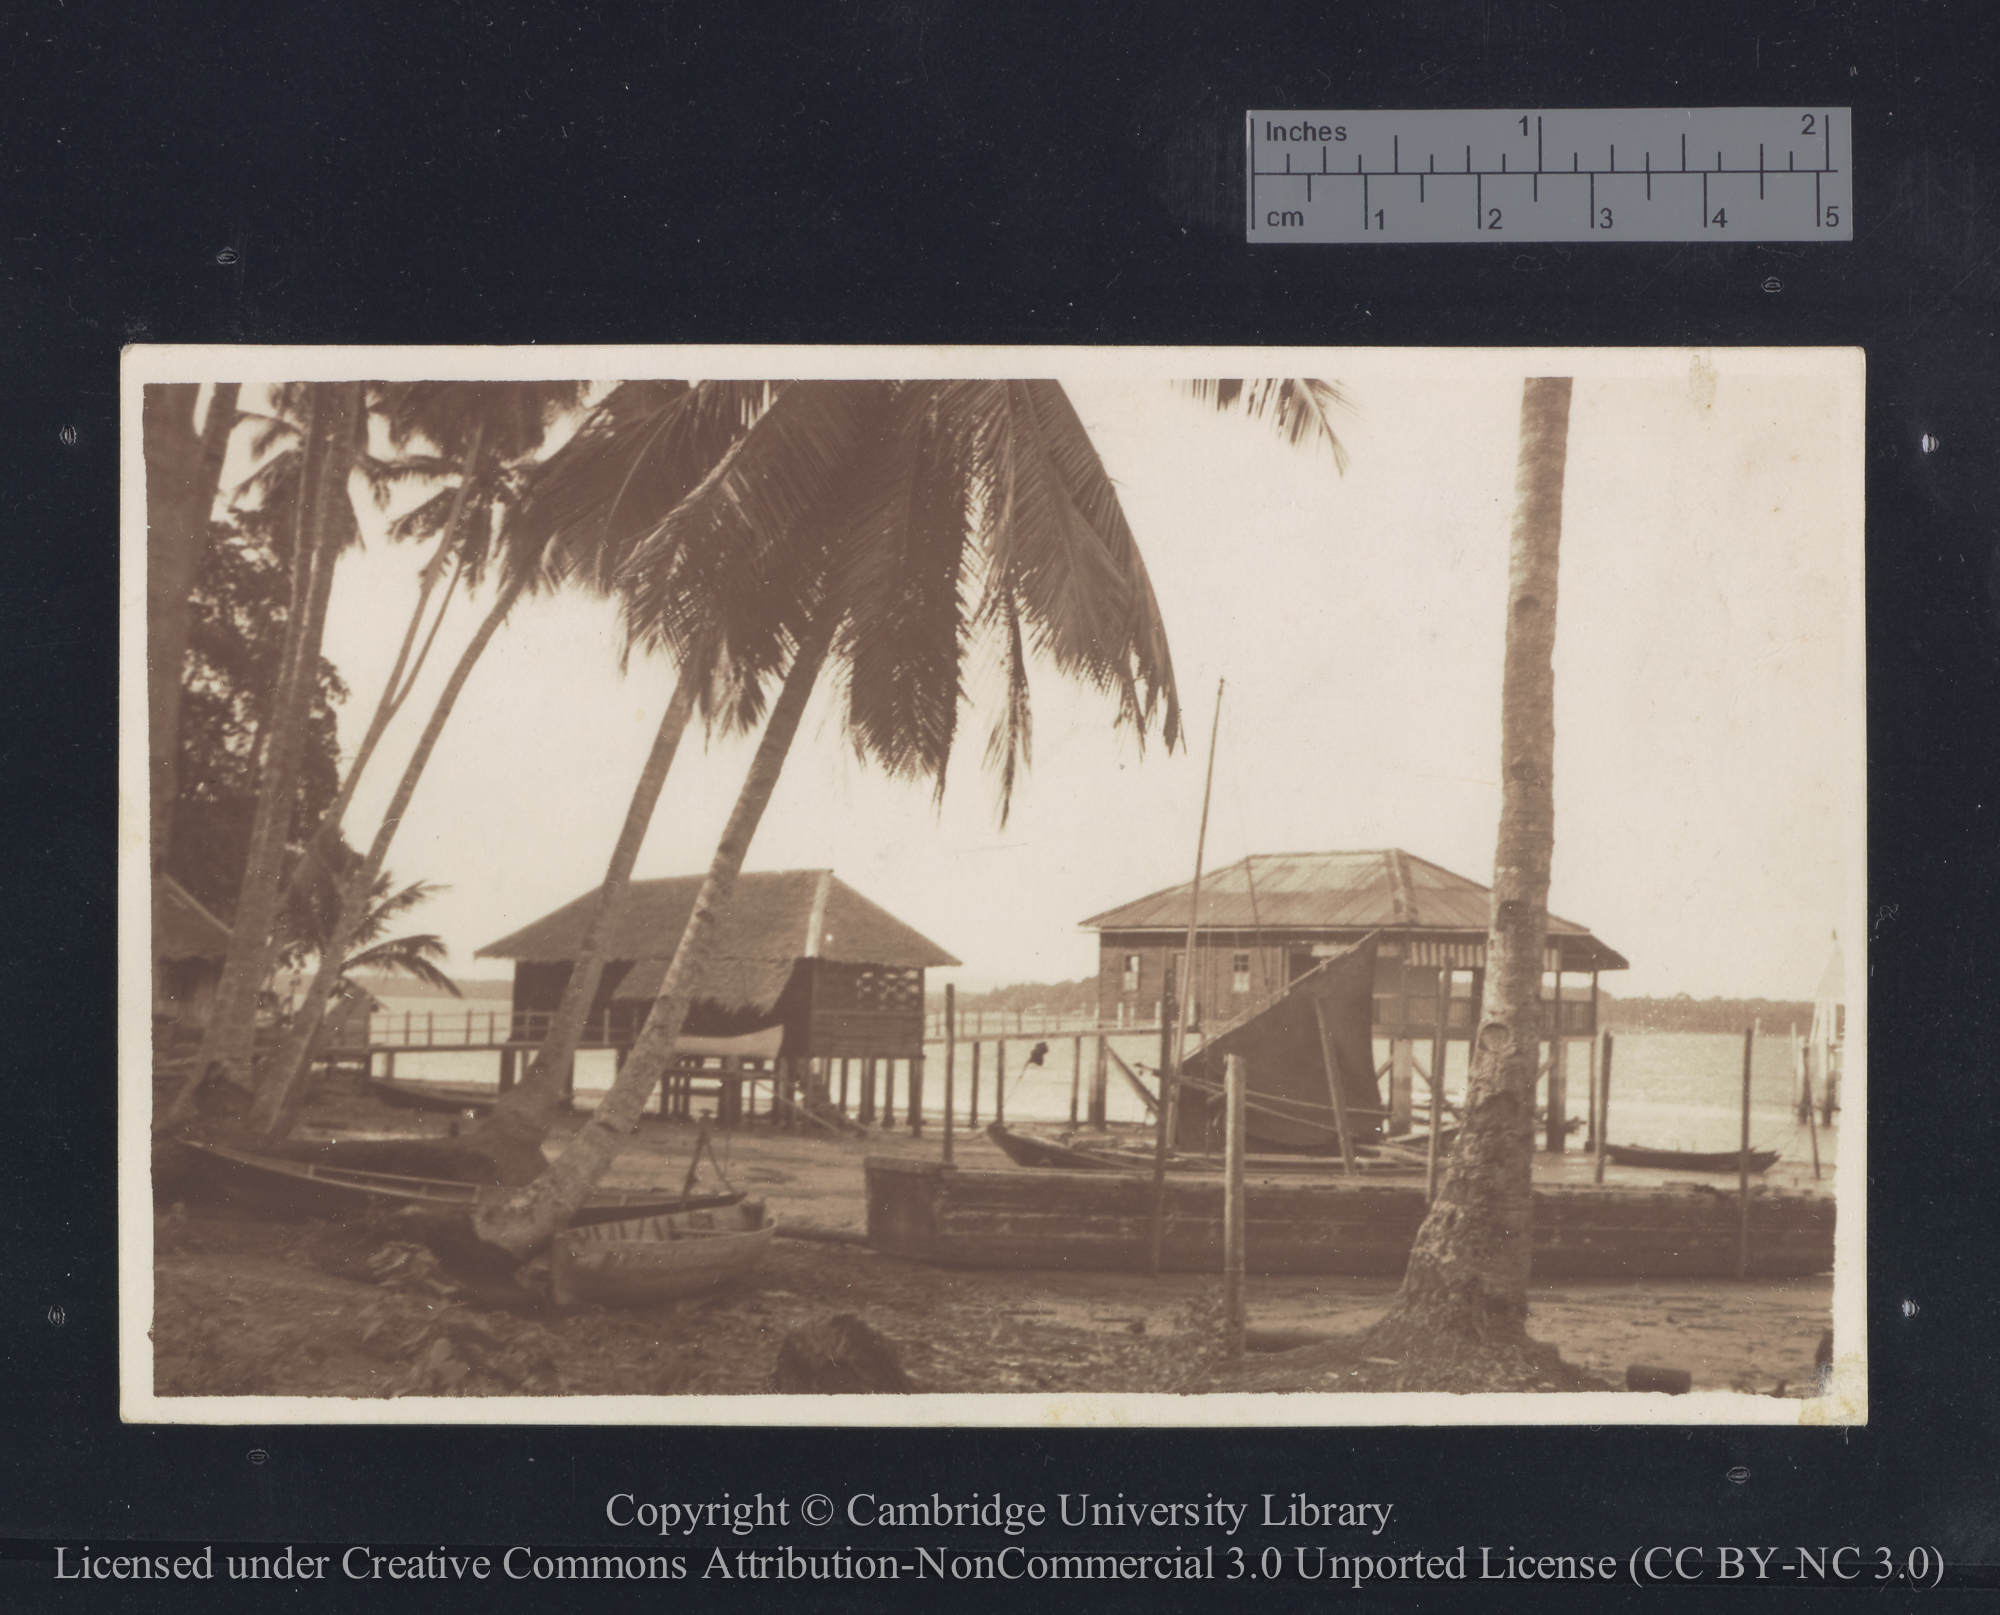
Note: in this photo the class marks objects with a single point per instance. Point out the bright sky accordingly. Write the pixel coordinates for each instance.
(1709, 765)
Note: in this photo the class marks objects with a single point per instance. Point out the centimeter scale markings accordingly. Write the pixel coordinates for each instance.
(1591, 174)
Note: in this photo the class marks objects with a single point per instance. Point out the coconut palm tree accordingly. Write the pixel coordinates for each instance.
(494, 428)
(649, 443)
(881, 526)
(183, 478)
(1464, 1298)
(330, 416)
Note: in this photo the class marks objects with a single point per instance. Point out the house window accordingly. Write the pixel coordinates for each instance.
(1239, 973)
(1131, 972)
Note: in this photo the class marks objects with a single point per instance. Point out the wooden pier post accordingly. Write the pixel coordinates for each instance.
(843, 1085)
(1743, 1160)
(506, 1069)
(1162, 1112)
(1235, 1080)
(1603, 1107)
(1075, 1074)
(889, 1092)
(913, 1096)
(950, 1064)
(972, 1116)
(1440, 1048)
(1100, 1079)
(1557, 1133)
(867, 1090)
(1000, 1082)
(1402, 1085)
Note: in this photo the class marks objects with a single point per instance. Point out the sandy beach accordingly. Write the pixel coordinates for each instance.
(246, 1307)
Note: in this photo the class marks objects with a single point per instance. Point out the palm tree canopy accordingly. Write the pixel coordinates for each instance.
(918, 515)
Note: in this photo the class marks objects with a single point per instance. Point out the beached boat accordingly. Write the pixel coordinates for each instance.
(290, 1190)
(1038, 1153)
(956, 1217)
(1687, 1160)
(455, 1097)
(641, 1260)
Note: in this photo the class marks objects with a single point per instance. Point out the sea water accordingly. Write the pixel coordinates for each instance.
(1669, 1090)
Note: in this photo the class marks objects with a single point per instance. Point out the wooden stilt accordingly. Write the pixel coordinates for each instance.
(1100, 1080)
(506, 1069)
(913, 1096)
(868, 1090)
(889, 1093)
(843, 1085)
(1000, 1081)
(972, 1110)
(1075, 1074)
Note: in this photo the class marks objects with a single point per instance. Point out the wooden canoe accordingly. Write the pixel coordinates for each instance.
(1687, 1160)
(273, 1187)
(457, 1098)
(956, 1217)
(638, 1261)
(1048, 1154)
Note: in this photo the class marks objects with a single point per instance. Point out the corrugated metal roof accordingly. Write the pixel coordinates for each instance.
(1390, 889)
(769, 917)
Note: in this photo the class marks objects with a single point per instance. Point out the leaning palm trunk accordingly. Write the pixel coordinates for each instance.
(524, 1114)
(523, 1219)
(403, 674)
(285, 1079)
(331, 437)
(183, 476)
(1467, 1280)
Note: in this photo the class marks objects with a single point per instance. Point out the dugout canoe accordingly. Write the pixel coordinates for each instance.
(1687, 1160)
(639, 1261)
(958, 1217)
(284, 1190)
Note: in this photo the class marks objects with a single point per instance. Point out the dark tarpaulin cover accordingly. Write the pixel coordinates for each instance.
(1290, 1104)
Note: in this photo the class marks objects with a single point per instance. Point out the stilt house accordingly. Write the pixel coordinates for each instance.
(1268, 920)
(799, 949)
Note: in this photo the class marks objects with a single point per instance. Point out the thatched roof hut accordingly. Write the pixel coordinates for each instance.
(799, 948)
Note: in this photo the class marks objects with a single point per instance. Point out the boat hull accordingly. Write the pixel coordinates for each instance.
(1687, 1160)
(1090, 1221)
(635, 1262)
(281, 1190)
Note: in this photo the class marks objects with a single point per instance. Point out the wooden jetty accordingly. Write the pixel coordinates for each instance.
(1015, 1218)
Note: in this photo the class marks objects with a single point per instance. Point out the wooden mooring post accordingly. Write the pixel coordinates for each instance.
(950, 1064)
(1743, 1160)
(1603, 1108)
(1440, 1047)
(1234, 1224)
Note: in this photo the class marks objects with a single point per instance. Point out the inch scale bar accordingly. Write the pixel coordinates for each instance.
(1592, 174)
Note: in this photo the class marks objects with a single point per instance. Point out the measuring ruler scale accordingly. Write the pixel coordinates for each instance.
(1591, 174)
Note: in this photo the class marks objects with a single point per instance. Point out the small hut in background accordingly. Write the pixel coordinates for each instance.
(1266, 921)
(189, 947)
(799, 950)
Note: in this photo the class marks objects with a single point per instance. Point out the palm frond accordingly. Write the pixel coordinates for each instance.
(414, 956)
(1301, 409)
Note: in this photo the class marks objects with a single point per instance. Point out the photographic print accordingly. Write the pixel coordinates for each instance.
(993, 886)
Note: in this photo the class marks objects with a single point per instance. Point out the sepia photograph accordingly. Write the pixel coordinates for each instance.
(1017, 886)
